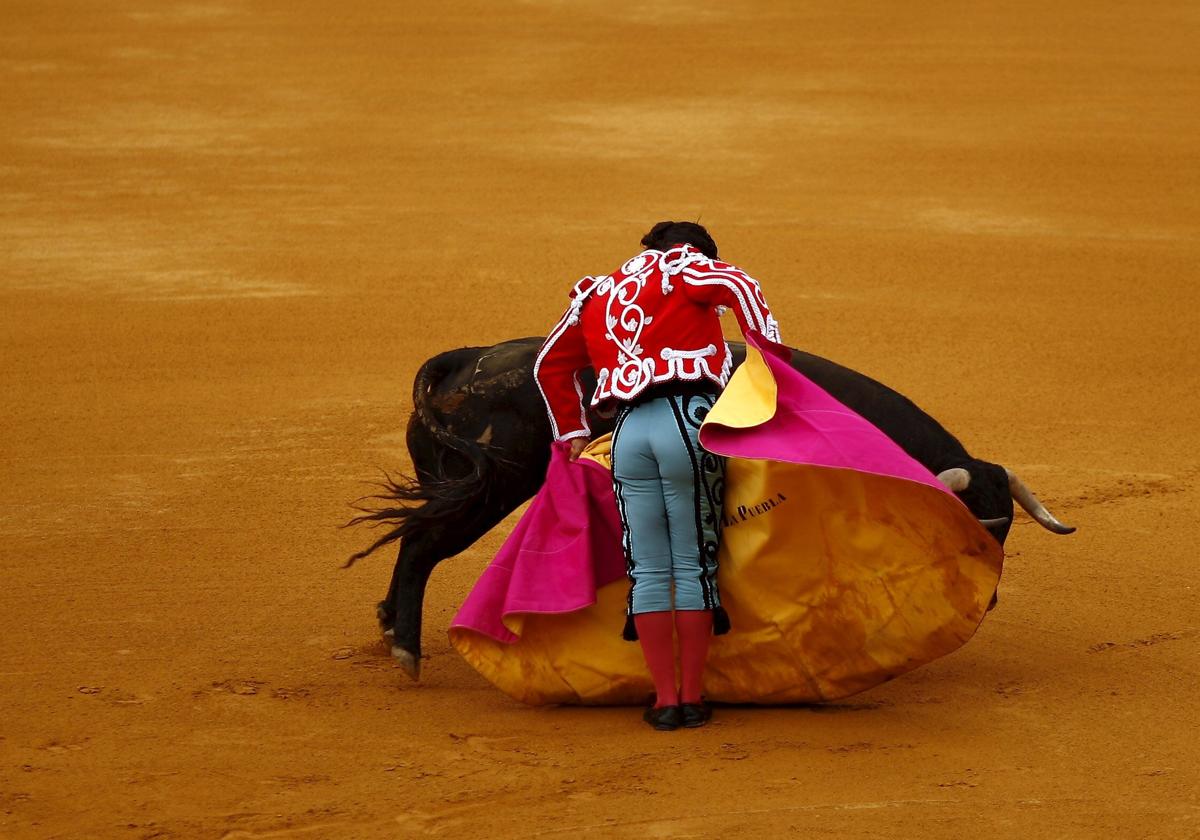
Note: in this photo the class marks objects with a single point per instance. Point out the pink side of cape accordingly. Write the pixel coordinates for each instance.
(811, 427)
(565, 547)
(568, 543)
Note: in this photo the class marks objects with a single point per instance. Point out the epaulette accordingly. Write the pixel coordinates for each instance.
(579, 293)
(584, 287)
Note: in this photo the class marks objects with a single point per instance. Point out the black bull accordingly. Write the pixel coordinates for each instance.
(480, 444)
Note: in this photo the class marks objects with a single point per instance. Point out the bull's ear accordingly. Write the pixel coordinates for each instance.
(955, 478)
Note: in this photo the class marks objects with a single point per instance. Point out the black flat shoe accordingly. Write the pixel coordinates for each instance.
(695, 714)
(664, 719)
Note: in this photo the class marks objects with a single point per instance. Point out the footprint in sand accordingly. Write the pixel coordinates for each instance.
(1148, 641)
(241, 688)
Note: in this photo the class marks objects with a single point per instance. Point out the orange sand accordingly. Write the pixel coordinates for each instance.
(231, 232)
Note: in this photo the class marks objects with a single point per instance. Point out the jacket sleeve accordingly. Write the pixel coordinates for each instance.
(714, 283)
(556, 371)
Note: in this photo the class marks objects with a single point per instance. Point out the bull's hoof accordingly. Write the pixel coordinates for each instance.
(410, 663)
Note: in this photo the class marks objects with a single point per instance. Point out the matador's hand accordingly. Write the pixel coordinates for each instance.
(577, 446)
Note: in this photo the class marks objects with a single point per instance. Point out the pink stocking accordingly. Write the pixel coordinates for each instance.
(695, 631)
(655, 632)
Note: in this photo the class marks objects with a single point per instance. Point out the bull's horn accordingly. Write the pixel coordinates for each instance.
(1025, 498)
(956, 478)
(994, 523)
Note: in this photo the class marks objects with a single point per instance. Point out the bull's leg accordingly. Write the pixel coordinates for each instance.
(384, 611)
(400, 613)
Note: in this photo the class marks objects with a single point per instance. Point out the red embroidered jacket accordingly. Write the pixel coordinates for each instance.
(654, 320)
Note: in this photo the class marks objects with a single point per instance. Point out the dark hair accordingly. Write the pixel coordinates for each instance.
(665, 234)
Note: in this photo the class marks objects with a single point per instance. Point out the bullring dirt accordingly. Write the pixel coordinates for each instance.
(232, 231)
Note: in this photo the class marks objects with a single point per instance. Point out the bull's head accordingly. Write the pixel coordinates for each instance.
(988, 490)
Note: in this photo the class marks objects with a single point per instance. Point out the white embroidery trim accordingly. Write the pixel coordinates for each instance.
(747, 291)
(668, 353)
(674, 369)
(634, 373)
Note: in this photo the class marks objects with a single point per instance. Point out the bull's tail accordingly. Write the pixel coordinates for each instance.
(406, 505)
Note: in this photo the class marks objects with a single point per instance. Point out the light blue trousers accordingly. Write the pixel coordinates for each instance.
(669, 493)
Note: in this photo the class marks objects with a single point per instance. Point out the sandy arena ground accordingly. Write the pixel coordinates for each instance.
(232, 231)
